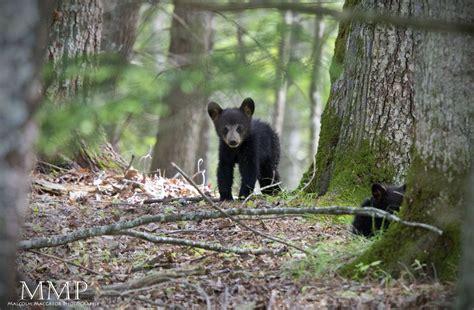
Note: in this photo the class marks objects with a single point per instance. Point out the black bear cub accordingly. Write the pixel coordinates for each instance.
(250, 143)
(384, 198)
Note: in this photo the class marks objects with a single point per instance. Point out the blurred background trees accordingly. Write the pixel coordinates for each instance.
(148, 70)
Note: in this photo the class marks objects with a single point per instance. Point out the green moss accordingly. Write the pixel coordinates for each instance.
(430, 199)
(357, 168)
(337, 63)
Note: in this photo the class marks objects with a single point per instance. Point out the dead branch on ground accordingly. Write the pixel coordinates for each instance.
(85, 233)
(196, 244)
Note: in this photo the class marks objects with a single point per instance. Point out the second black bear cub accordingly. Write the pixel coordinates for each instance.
(250, 143)
(384, 198)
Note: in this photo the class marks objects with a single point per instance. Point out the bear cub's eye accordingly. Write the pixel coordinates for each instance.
(225, 130)
(239, 129)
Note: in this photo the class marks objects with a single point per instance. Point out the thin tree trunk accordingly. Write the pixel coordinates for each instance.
(118, 37)
(465, 298)
(120, 27)
(281, 79)
(322, 31)
(241, 50)
(315, 85)
(367, 125)
(22, 42)
(178, 138)
(443, 151)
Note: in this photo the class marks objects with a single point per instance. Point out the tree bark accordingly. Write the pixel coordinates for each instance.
(22, 42)
(465, 298)
(120, 27)
(367, 125)
(74, 45)
(443, 151)
(178, 137)
(75, 38)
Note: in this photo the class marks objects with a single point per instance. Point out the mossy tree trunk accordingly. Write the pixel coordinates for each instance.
(180, 131)
(367, 125)
(22, 42)
(443, 151)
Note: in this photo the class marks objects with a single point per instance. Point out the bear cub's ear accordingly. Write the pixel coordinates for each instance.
(214, 110)
(378, 191)
(248, 107)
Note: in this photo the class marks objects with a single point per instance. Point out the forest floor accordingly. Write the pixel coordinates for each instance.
(184, 277)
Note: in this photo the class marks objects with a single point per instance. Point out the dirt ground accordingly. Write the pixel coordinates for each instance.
(183, 277)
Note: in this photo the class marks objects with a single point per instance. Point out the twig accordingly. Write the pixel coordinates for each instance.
(200, 291)
(212, 204)
(166, 200)
(271, 300)
(67, 262)
(129, 164)
(84, 233)
(154, 278)
(261, 189)
(312, 175)
(195, 244)
(51, 165)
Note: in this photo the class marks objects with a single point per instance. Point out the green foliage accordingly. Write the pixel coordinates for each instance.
(124, 101)
(327, 258)
(136, 95)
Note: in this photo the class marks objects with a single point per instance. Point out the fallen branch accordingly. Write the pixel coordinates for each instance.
(196, 244)
(68, 262)
(236, 220)
(143, 283)
(80, 234)
(167, 200)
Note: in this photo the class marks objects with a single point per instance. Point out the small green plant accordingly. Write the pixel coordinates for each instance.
(327, 258)
(372, 270)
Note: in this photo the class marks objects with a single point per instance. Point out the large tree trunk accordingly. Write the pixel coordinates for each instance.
(443, 151)
(22, 39)
(74, 46)
(75, 38)
(178, 138)
(367, 125)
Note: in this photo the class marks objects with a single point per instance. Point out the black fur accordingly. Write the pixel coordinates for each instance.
(384, 198)
(250, 143)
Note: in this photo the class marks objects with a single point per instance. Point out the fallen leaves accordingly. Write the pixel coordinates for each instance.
(80, 198)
